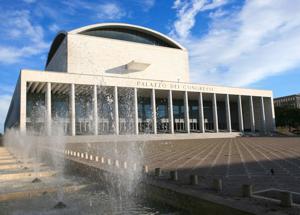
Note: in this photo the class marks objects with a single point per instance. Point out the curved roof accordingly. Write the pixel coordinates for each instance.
(147, 31)
(55, 45)
(99, 29)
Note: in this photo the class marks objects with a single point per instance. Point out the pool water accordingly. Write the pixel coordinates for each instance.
(88, 201)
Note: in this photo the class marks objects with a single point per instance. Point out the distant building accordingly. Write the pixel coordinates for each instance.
(291, 101)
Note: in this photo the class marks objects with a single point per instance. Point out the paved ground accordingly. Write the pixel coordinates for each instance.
(236, 160)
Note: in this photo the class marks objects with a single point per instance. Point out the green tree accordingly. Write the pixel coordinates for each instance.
(287, 117)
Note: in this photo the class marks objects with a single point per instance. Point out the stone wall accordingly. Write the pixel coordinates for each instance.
(102, 56)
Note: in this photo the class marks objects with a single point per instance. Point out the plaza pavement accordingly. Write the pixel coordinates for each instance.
(237, 161)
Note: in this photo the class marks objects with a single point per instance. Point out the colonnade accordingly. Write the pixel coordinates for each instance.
(201, 118)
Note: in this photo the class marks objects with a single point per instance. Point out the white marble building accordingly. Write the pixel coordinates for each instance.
(118, 79)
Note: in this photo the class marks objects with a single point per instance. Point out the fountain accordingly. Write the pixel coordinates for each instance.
(120, 178)
(36, 148)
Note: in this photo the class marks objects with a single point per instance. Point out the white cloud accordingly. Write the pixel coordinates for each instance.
(29, 1)
(54, 28)
(103, 11)
(177, 4)
(241, 47)
(148, 4)
(9, 55)
(187, 12)
(6, 89)
(28, 38)
(110, 11)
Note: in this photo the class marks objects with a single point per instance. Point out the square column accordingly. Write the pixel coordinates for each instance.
(136, 113)
(186, 112)
(273, 115)
(95, 100)
(153, 104)
(252, 119)
(171, 119)
(48, 109)
(215, 113)
(72, 110)
(240, 112)
(228, 115)
(263, 114)
(201, 114)
(116, 111)
(23, 105)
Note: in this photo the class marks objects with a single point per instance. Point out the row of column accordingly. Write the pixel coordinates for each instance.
(153, 107)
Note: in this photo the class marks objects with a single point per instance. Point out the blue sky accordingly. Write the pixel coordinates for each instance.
(251, 43)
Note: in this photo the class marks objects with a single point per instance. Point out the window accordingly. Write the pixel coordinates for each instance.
(129, 35)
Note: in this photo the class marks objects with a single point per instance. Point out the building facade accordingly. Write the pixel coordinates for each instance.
(124, 79)
(291, 101)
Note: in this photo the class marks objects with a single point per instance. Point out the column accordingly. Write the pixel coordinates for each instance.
(228, 115)
(48, 108)
(201, 114)
(273, 115)
(72, 111)
(215, 113)
(186, 112)
(116, 111)
(153, 103)
(136, 113)
(95, 100)
(171, 119)
(263, 115)
(23, 104)
(252, 119)
(240, 112)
